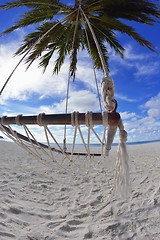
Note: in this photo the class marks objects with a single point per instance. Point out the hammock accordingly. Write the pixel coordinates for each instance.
(110, 120)
(75, 119)
(48, 154)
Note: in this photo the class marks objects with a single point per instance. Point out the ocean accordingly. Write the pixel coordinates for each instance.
(113, 144)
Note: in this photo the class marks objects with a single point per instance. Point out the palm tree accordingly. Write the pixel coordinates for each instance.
(88, 24)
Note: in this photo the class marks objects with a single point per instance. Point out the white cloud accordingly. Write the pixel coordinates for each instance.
(154, 102)
(147, 69)
(85, 74)
(81, 101)
(130, 54)
(24, 83)
(141, 63)
(155, 113)
(153, 107)
(124, 98)
(144, 127)
(126, 115)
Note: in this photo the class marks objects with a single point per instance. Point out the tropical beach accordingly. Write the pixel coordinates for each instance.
(40, 202)
(83, 73)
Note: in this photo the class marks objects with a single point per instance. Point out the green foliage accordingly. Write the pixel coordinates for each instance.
(62, 30)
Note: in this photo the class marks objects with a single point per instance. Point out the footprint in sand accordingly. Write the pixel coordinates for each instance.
(8, 235)
(74, 222)
(67, 228)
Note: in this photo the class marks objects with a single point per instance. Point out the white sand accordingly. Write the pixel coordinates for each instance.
(38, 203)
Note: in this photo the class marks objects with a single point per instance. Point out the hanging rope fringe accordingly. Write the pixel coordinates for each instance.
(122, 184)
(46, 152)
(110, 137)
(122, 181)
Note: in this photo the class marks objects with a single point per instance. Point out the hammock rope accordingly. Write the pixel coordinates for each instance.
(107, 86)
(122, 180)
(68, 88)
(105, 69)
(109, 119)
(95, 76)
(49, 153)
(75, 118)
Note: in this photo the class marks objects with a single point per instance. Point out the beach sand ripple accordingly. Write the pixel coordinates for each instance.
(40, 202)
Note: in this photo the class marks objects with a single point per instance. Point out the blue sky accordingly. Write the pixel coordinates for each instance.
(136, 79)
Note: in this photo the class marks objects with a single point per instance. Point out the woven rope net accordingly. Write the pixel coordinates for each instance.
(84, 134)
(21, 130)
(83, 127)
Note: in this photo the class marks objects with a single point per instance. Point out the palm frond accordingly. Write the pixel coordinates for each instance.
(142, 11)
(44, 42)
(117, 25)
(92, 49)
(45, 59)
(32, 4)
(68, 36)
(107, 35)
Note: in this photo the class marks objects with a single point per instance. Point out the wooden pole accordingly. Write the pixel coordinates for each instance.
(60, 119)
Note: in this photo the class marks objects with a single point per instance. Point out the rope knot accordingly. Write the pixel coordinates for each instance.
(122, 136)
(108, 93)
(105, 119)
(3, 120)
(74, 119)
(88, 119)
(40, 119)
(122, 133)
(18, 120)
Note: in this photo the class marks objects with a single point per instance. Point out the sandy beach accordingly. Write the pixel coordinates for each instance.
(38, 202)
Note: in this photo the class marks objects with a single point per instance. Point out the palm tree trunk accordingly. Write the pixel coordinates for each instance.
(77, 3)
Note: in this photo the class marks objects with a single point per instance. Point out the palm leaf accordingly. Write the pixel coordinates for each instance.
(68, 36)
(134, 10)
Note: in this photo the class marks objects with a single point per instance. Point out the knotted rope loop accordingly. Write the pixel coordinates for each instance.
(18, 120)
(74, 119)
(40, 119)
(105, 119)
(3, 119)
(105, 124)
(107, 86)
(123, 136)
(88, 119)
(122, 132)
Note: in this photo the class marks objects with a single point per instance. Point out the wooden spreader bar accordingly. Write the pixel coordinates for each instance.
(59, 119)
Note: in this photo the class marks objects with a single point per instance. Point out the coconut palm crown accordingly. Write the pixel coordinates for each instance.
(64, 29)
